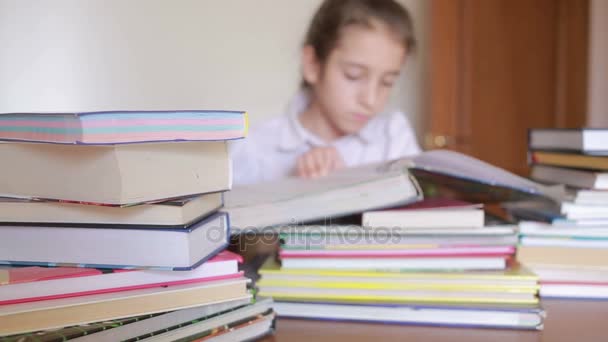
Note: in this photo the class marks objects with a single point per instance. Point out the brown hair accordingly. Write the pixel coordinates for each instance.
(333, 15)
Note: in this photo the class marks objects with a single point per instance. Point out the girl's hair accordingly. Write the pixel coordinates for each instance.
(333, 15)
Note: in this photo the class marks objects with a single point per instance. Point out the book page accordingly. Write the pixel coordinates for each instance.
(285, 189)
(466, 167)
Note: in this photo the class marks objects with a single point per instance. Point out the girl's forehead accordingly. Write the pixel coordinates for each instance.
(370, 46)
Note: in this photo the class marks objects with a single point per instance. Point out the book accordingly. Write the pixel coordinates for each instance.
(222, 325)
(57, 313)
(576, 211)
(562, 256)
(429, 213)
(592, 197)
(461, 263)
(360, 293)
(252, 329)
(574, 291)
(372, 187)
(565, 274)
(355, 230)
(585, 140)
(130, 327)
(514, 277)
(572, 242)
(294, 200)
(468, 316)
(590, 223)
(115, 174)
(530, 210)
(571, 177)
(182, 249)
(27, 284)
(417, 284)
(311, 237)
(122, 127)
(570, 160)
(176, 213)
(541, 229)
(475, 180)
(421, 252)
(393, 241)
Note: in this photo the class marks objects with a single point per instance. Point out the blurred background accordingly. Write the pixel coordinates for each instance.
(485, 70)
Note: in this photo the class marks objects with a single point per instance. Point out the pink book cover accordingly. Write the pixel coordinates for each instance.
(15, 275)
(403, 253)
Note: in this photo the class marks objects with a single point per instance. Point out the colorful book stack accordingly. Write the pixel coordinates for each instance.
(431, 263)
(110, 229)
(568, 249)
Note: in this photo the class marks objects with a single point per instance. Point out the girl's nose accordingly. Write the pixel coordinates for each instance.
(369, 96)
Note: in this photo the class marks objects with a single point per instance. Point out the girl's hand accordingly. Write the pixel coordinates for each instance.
(318, 162)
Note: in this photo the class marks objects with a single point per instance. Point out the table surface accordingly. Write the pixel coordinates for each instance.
(567, 320)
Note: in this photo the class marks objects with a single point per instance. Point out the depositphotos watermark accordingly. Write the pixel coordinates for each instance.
(314, 236)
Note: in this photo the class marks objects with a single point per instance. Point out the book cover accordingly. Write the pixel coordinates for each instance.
(26, 284)
(123, 127)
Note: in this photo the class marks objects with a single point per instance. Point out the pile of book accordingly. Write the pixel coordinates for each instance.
(567, 244)
(430, 263)
(111, 229)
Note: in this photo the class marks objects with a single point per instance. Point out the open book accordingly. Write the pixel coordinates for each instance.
(483, 182)
(389, 184)
(294, 200)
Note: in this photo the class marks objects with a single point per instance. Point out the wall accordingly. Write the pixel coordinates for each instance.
(598, 67)
(68, 55)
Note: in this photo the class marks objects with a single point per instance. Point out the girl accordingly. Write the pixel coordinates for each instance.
(351, 58)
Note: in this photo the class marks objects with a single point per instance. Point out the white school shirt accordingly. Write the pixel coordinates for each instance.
(271, 150)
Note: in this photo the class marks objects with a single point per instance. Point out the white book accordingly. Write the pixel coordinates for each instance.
(435, 263)
(466, 316)
(575, 211)
(586, 140)
(591, 197)
(115, 248)
(450, 217)
(574, 291)
(565, 273)
(541, 229)
(560, 242)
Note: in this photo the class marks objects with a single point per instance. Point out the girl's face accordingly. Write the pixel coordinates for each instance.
(355, 81)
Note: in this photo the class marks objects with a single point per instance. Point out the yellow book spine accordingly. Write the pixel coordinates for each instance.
(246, 118)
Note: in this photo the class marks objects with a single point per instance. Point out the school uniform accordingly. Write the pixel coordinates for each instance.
(271, 150)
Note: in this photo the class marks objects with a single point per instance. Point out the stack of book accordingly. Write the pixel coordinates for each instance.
(432, 263)
(110, 228)
(567, 246)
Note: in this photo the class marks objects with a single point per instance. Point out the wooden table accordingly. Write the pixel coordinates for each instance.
(567, 320)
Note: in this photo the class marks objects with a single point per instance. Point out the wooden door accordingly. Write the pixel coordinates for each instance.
(500, 67)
